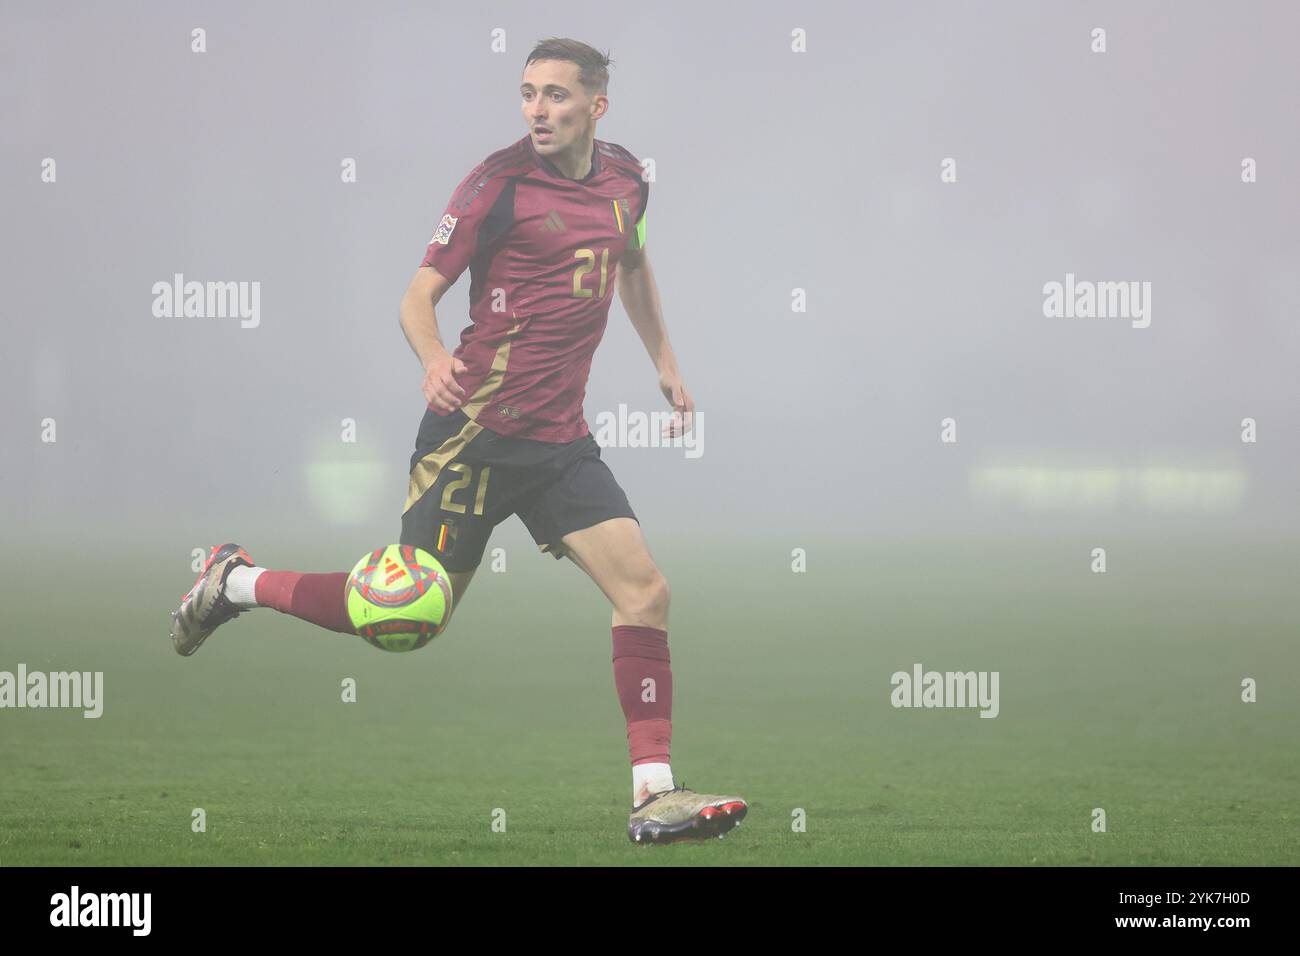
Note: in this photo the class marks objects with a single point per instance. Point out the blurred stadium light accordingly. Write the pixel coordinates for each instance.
(1161, 488)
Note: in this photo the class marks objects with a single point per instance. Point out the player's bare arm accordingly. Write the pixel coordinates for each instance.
(419, 320)
(640, 297)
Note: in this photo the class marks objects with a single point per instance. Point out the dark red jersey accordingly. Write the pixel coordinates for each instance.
(543, 254)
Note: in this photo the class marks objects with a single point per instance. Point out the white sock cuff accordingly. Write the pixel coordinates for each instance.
(241, 586)
(649, 779)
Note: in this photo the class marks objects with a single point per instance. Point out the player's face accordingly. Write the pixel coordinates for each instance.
(559, 113)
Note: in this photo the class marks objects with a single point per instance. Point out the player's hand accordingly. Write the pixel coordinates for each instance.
(441, 390)
(679, 398)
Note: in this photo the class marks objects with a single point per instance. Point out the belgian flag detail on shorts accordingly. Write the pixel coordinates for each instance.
(446, 537)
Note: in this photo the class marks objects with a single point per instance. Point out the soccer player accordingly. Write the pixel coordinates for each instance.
(549, 227)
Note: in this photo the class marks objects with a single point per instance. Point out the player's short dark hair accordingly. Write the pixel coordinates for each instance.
(593, 66)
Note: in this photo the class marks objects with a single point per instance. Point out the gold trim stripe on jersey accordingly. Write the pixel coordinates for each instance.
(425, 473)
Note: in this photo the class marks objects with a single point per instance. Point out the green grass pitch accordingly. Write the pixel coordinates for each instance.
(1119, 691)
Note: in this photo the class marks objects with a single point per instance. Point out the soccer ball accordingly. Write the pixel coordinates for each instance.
(399, 597)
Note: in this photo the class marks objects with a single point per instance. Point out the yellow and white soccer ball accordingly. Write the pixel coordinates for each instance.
(399, 597)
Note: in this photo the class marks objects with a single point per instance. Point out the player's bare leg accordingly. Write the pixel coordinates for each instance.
(459, 584)
(231, 583)
(614, 554)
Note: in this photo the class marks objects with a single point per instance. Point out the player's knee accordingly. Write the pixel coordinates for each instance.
(648, 599)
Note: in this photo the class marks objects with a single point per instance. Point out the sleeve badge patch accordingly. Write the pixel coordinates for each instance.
(444, 230)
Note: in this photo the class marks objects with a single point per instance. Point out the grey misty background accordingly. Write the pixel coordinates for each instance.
(775, 170)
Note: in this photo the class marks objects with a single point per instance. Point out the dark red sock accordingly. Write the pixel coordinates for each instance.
(644, 681)
(319, 598)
